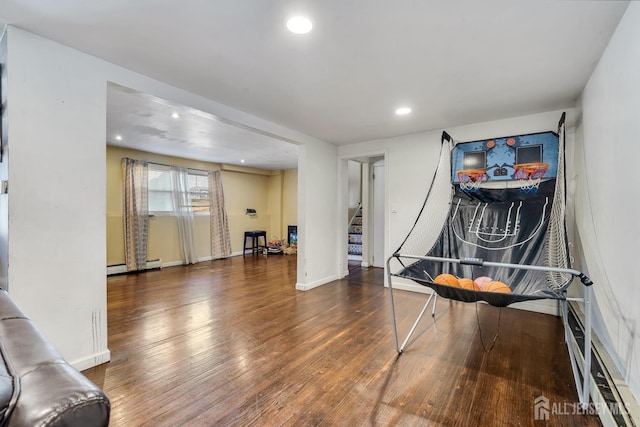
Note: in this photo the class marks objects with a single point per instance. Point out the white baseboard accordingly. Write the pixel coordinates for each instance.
(210, 258)
(172, 263)
(315, 284)
(157, 263)
(412, 287)
(545, 306)
(92, 360)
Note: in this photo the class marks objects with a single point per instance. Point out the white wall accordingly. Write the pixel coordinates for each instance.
(318, 262)
(4, 206)
(410, 162)
(607, 154)
(57, 178)
(57, 210)
(355, 184)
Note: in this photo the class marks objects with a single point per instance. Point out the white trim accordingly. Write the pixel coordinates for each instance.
(308, 286)
(92, 360)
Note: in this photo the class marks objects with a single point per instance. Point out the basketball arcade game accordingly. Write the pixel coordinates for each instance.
(502, 239)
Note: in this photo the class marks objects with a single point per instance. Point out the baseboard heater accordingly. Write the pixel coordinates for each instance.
(609, 404)
(122, 268)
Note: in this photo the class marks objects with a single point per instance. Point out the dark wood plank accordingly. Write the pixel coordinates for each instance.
(231, 342)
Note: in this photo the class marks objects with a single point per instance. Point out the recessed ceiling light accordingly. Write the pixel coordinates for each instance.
(299, 25)
(242, 161)
(175, 115)
(118, 137)
(403, 111)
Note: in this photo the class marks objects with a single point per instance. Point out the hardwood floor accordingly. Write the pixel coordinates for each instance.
(232, 343)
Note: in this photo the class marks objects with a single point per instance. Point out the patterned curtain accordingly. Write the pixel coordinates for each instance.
(220, 240)
(136, 213)
(184, 214)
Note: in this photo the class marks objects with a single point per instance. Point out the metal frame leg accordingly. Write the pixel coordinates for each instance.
(582, 386)
(433, 296)
(433, 312)
(393, 308)
(586, 370)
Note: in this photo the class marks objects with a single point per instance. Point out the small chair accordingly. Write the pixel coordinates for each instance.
(255, 241)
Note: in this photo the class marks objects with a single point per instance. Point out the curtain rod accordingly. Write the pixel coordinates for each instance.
(170, 166)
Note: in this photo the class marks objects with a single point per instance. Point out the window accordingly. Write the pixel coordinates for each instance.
(160, 190)
(199, 193)
(160, 197)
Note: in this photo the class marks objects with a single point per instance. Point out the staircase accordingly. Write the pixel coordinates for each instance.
(355, 235)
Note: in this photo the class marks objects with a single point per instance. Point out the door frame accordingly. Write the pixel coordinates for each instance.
(343, 226)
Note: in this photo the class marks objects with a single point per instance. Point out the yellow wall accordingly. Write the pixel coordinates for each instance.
(289, 200)
(242, 191)
(243, 188)
(275, 206)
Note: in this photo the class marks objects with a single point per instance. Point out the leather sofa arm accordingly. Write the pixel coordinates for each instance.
(47, 390)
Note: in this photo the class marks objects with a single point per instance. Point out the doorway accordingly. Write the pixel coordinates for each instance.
(377, 232)
(364, 205)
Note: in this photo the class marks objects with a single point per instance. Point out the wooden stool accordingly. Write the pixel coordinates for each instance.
(255, 241)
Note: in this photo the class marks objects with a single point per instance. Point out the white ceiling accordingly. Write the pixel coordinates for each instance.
(145, 122)
(454, 62)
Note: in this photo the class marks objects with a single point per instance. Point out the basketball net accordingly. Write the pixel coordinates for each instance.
(469, 180)
(529, 176)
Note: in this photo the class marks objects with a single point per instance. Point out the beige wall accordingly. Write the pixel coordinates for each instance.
(242, 191)
(265, 191)
(275, 206)
(289, 200)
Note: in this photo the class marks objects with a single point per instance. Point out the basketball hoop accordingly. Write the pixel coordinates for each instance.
(529, 175)
(470, 179)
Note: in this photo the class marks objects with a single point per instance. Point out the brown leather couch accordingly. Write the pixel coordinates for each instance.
(37, 386)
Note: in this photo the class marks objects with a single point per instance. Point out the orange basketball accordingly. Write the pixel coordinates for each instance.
(511, 142)
(482, 282)
(467, 283)
(446, 279)
(497, 286)
(491, 144)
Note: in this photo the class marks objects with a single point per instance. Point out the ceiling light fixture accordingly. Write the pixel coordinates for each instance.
(118, 137)
(402, 111)
(175, 115)
(242, 161)
(299, 25)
